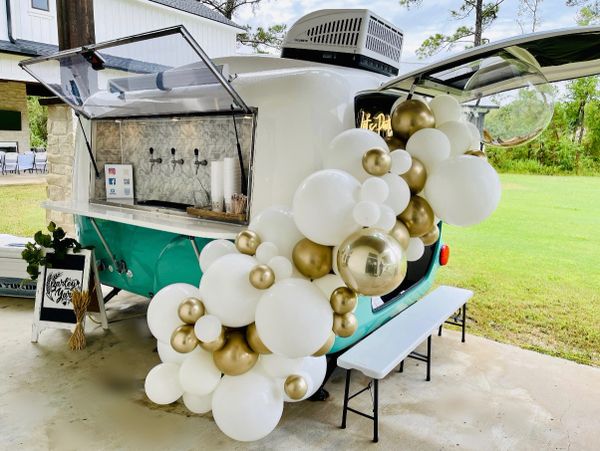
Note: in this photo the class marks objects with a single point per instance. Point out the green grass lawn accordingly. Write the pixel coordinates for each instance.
(20, 212)
(534, 266)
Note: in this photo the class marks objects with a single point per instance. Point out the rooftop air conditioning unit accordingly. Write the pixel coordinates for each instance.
(346, 37)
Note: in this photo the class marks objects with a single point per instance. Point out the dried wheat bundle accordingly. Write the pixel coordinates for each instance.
(81, 301)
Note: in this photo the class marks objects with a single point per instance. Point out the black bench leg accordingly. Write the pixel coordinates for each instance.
(428, 358)
(375, 410)
(346, 395)
(401, 369)
(440, 330)
(464, 321)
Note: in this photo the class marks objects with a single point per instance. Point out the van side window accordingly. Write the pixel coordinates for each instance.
(40, 4)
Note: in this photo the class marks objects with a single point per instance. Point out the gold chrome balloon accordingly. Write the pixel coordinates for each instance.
(235, 357)
(395, 143)
(326, 346)
(254, 340)
(432, 236)
(371, 262)
(418, 216)
(261, 277)
(216, 344)
(410, 116)
(401, 234)
(343, 300)
(183, 339)
(415, 177)
(312, 260)
(247, 242)
(476, 153)
(190, 310)
(377, 161)
(344, 325)
(295, 387)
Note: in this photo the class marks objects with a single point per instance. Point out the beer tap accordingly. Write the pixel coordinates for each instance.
(197, 162)
(153, 160)
(175, 162)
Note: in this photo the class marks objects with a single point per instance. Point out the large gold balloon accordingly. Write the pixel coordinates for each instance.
(344, 325)
(371, 262)
(247, 242)
(377, 161)
(183, 339)
(343, 300)
(418, 216)
(295, 387)
(216, 344)
(326, 346)
(432, 236)
(411, 116)
(415, 177)
(190, 310)
(312, 260)
(236, 357)
(261, 277)
(395, 143)
(401, 234)
(476, 153)
(254, 340)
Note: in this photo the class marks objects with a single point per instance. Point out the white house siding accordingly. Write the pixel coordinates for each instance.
(3, 29)
(34, 24)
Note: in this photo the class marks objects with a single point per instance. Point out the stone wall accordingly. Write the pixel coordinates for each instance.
(13, 97)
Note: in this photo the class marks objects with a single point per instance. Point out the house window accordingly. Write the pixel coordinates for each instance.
(40, 4)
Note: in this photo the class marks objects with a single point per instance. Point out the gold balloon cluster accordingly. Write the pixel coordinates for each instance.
(261, 276)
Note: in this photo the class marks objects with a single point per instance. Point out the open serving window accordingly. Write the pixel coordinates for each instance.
(163, 118)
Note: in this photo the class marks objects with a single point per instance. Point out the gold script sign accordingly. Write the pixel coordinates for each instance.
(378, 122)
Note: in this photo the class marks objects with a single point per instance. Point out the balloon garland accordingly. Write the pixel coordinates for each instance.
(269, 306)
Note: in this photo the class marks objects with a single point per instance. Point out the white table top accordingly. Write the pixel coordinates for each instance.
(182, 225)
(378, 354)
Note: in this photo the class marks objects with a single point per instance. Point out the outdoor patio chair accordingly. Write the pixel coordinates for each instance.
(26, 161)
(11, 163)
(40, 162)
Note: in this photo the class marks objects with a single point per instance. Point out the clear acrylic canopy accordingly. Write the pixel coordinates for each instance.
(162, 72)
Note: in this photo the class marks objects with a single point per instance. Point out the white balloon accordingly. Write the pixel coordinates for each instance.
(387, 218)
(279, 366)
(281, 266)
(399, 196)
(207, 328)
(213, 251)
(415, 250)
(227, 292)
(162, 384)
(247, 407)
(375, 190)
(197, 403)
(429, 146)
(463, 190)
(346, 151)
(168, 354)
(329, 283)
(401, 161)
(445, 108)
(266, 251)
(366, 213)
(459, 136)
(475, 142)
(162, 314)
(313, 370)
(294, 318)
(276, 225)
(198, 373)
(323, 206)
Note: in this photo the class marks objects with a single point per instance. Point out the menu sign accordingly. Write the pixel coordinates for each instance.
(119, 181)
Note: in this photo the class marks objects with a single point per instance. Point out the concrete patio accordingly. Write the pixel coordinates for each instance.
(483, 395)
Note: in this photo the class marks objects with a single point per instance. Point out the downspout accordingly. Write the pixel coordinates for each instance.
(9, 23)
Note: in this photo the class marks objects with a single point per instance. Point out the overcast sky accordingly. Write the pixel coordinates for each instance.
(417, 23)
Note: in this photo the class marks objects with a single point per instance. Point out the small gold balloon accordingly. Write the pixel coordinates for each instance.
(295, 387)
(476, 153)
(377, 161)
(411, 116)
(432, 236)
(254, 340)
(312, 260)
(344, 325)
(236, 357)
(190, 310)
(401, 234)
(326, 346)
(395, 143)
(415, 177)
(216, 344)
(418, 216)
(343, 300)
(261, 277)
(247, 242)
(183, 339)
(371, 262)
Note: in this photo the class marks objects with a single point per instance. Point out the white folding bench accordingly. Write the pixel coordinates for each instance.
(380, 352)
